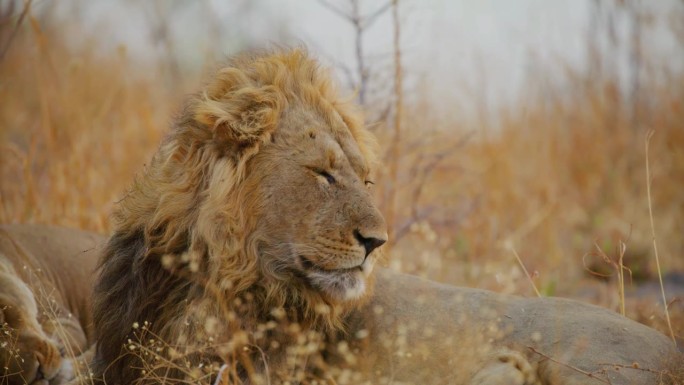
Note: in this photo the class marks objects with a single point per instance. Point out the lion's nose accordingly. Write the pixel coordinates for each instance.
(46, 373)
(47, 368)
(370, 243)
(40, 377)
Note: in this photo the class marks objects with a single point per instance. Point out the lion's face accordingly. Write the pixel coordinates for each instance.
(313, 189)
(27, 355)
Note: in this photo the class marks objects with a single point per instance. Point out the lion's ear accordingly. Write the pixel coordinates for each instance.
(241, 117)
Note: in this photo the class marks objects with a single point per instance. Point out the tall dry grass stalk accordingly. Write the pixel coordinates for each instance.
(649, 135)
(617, 264)
(523, 268)
(621, 275)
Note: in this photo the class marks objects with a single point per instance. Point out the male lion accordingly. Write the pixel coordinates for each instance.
(249, 241)
(45, 288)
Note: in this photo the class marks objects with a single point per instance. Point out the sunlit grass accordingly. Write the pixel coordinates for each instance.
(558, 173)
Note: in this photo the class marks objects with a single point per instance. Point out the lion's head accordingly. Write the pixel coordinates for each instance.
(261, 188)
(307, 193)
(27, 354)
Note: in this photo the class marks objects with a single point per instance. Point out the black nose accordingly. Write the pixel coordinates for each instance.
(369, 243)
(39, 373)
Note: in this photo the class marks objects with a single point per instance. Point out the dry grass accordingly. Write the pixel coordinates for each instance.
(72, 122)
(559, 172)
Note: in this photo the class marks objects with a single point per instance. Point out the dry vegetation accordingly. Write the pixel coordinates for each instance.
(559, 177)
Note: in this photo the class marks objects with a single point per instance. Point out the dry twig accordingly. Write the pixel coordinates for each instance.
(578, 370)
(360, 23)
(510, 246)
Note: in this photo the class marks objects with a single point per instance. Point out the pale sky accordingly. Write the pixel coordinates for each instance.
(453, 49)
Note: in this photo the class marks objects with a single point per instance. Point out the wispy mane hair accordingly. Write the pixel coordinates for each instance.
(183, 231)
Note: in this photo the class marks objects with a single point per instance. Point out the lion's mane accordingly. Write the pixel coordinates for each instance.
(183, 235)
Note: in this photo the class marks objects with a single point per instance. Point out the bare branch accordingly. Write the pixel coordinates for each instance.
(348, 73)
(404, 228)
(336, 10)
(578, 370)
(430, 165)
(398, 114)
(22, 16)
(360, 23)
(370, 19)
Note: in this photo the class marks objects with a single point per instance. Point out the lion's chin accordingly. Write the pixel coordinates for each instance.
(342, 285)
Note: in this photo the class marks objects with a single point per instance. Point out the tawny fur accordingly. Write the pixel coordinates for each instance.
(186, 239)
(45, 288)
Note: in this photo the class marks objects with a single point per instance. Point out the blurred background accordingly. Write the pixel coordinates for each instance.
(513, 133)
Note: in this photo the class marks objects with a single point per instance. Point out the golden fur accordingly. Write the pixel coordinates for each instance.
(248, 240)
(258, 196)
(421, 332)
(45, 286)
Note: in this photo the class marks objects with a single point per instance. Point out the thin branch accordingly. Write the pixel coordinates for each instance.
(405, 227)
(588, 374)
(7, 13)
(360, 23)
(370, 19)
(430, 165)
(360, 60)
(348, 73)
(22, 16)
(398, 114)
(336, 10)
(510, 246)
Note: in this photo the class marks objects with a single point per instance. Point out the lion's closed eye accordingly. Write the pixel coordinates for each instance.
(325, 175)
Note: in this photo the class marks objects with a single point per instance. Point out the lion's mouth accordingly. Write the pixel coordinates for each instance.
(309, 265)
(341, 284)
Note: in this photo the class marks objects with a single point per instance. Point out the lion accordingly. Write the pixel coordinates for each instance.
(46, 278)
(249, 244)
